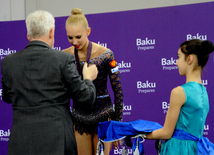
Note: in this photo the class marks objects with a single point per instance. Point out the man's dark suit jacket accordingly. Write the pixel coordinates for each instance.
(39, 82)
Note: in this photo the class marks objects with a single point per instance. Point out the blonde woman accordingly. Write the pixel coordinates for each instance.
(86, 118)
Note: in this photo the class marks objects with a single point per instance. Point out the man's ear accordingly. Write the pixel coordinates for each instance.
(28, 37)
(51, 33)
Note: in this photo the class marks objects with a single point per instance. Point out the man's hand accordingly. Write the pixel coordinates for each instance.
(89, 71)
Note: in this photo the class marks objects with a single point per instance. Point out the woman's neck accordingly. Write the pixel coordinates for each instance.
(85, 48)
(195, 75)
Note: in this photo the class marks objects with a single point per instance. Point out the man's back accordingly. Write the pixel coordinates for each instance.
(39, 82)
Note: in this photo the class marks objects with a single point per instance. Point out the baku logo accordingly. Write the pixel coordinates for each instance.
(197, 36)
(102, 44)
(4, 135)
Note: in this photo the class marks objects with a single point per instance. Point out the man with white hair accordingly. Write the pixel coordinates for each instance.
(39, 82)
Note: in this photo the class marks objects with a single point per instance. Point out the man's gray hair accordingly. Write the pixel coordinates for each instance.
(39, 23)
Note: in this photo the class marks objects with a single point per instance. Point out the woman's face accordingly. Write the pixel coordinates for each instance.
(181, 63)
(77, 35)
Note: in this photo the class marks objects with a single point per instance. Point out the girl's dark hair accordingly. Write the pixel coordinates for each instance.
(201, 49)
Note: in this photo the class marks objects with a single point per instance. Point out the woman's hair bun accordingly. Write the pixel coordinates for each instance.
(76, 11)
(207, 47)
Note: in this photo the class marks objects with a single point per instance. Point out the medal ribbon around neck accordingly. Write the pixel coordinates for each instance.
(87, 58)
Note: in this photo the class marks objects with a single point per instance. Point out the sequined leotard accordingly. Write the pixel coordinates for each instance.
(86, 119)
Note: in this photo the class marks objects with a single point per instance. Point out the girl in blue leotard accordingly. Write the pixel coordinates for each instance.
(189, 104)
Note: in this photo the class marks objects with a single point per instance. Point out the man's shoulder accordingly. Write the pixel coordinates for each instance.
(62, 54)
(9, 57)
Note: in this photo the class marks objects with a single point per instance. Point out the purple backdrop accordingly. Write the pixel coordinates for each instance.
(145, 44)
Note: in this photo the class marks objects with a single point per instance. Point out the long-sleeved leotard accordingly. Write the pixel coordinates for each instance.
(86, 119)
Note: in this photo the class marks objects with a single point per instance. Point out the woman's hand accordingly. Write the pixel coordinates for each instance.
(116, 145)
